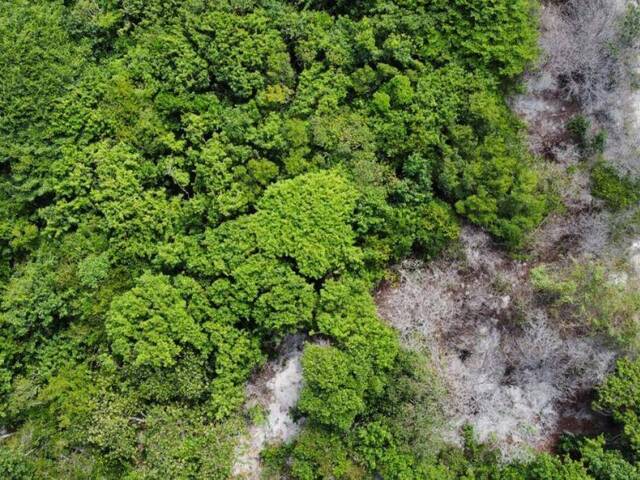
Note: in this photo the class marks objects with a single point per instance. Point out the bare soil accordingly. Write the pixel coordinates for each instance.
(273, 392)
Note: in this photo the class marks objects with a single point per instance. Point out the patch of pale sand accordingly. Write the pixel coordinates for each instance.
(634, 257)
(275, 390)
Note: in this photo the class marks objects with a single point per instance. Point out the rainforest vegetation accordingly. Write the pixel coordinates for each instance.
(184, 183)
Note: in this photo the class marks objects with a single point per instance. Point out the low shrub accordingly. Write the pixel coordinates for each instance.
(616, 191)
(584, 295)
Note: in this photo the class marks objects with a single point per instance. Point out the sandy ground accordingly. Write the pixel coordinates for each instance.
(274, 391)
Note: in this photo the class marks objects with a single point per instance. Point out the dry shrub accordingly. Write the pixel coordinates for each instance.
(591, 50)
(582, 45)
(510, 371)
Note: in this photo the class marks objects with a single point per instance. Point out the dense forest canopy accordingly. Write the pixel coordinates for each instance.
(184, 183)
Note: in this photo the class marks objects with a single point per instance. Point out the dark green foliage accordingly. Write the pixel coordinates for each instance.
(578, 127)
(618, 192)
(318, 455)
(606, 463)
(598, 142)
(620, 397)
(614, 456)
(184, 183)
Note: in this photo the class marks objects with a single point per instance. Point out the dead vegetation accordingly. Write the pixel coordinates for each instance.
(589, 65)
(512, 373)
(580, 40)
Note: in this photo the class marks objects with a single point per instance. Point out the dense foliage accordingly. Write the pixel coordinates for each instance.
(616, 191)
(184, 183)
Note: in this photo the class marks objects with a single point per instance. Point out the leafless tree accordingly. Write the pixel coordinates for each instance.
(582, 43)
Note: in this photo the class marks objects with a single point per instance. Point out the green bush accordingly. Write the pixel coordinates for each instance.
(617, 192)
(583, 294)
(552, 288)
(336, 399)
(578, 127)
(619, 397)
(15, 465)
(318, 455)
